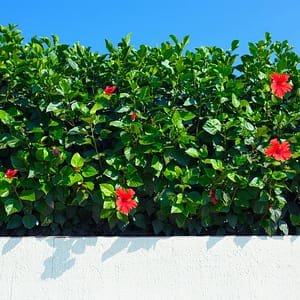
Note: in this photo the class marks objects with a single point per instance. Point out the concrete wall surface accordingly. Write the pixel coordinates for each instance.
(184, 268)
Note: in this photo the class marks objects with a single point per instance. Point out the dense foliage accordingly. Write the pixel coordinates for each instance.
(155, 140)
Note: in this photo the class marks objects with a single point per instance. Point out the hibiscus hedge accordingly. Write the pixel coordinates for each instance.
(152, 141)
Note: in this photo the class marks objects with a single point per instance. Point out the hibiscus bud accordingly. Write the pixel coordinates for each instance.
(214, 200)
(133, 116)
(10, 173)
(109, 89)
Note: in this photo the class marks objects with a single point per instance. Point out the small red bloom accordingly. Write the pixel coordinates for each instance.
(133, 116)
(109, 89)
(280, 85)
(124, 201)
(279, 151)
(214, 200)
(11, 173)
(75, 168)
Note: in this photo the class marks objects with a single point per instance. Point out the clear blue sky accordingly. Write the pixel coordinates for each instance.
(208, 22)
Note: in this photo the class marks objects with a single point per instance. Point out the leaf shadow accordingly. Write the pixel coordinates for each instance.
(129, 243)
(63, 257)
(10, 244)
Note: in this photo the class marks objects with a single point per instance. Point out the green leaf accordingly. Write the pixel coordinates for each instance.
(28, 195)
(99, 106)
(156, 165)
(275, 214)
(140, 221)
(235, 101)
(195, 197)
(295, 219)
(14, 222)
(5, 117)
(134, 180)
(118, 124)
(109, 204)
(260, 207)
(74, 178)
(107, 189)
(283, 227)
(106, 213)
(217, 164)
(212, 126)
(193, 152)
(257, 182)
(232, 220)
(4, 189)
(72, 63)
(234, 44)
(12, 205)
(269, 227)
(89, 185)
(157, 226)
(278, 175)
(128, 153)
(29, 221)
(264, 196)
(77, 160)
(177, 209)
(190, 102)
(89, 171)
(122, 109)
(109, 46)
(54, 106)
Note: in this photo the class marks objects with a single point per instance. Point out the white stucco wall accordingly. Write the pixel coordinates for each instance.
(150, 268)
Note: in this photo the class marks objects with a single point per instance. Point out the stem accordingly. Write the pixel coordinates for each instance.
(95, 146)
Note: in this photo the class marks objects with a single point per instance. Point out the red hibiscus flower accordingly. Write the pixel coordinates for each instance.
(109, 89)
(11, 173)
(214, 200)
(133, 116)
(279, 151)
(124, 201)
(280, 85)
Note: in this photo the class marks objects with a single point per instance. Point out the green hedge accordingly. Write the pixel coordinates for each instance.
(153, 141)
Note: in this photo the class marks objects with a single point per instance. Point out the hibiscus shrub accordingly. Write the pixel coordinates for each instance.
(152, 141)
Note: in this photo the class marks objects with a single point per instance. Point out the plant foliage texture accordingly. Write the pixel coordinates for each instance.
(152, 141)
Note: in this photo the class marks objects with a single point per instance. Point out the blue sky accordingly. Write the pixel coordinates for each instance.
(209, 22)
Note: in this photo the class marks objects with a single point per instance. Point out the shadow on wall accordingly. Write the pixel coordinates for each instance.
(10, 245)
(242, 241)
(67, 248)
(131, 244)
(62, 260)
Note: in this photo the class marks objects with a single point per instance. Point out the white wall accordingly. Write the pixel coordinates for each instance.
(150, 268)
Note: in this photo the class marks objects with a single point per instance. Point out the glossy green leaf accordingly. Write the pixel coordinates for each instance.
(77, 160)
(193, 152)
(28, 195)
(12, 205)
(89, 171)
(29, 221)
(107, 189)
(212, 126)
